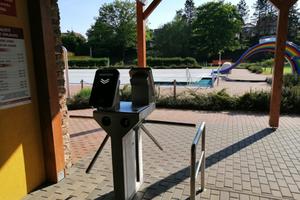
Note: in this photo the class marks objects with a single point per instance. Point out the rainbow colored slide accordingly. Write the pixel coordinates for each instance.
(292, 54)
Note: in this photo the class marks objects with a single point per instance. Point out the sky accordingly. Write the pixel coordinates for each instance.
(79, 15)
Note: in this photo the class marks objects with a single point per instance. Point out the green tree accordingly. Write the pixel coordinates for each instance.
(243, 10)
(172, 39)
(74, 42)
(189, 11)
(216, 27)
(294, 24)
(114, 32)
(265, 18)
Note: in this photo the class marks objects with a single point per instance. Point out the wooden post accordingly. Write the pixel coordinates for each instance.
(174, 89)
(282, 30)
(81, 84)
(141, 30)
(141, 34)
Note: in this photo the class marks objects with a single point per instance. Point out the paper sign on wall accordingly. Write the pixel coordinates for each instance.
(14, 85)
(8, 7)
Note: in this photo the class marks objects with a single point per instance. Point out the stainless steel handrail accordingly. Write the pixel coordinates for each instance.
(201, 163)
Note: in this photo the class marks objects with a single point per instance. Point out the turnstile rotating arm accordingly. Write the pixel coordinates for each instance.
(97, 154)
(151, 137)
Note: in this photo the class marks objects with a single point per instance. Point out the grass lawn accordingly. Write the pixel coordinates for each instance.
(213, 67)
(287, 70)
(71, 57)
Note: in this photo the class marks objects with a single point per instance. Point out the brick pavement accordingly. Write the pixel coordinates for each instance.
(245, 159)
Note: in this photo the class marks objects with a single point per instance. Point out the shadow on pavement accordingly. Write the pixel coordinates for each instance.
(165, 184)
(85, 132)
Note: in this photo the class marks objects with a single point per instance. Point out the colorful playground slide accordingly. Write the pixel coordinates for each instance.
(292, 54)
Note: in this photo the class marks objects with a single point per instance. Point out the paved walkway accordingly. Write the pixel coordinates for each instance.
(245, 159)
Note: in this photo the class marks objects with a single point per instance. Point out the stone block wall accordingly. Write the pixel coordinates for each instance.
(61, 83)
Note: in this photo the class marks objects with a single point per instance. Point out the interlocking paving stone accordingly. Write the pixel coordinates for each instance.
(244, 159)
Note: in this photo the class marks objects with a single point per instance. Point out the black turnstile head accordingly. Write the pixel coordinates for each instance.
(105, 91)
(142, 86)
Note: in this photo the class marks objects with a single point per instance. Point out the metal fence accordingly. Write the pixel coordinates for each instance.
(200, 165)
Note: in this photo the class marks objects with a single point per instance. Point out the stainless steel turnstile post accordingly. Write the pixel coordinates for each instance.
(126, 145)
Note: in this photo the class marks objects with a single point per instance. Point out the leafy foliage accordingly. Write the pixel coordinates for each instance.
(294, 24)
(173, 39)
(243, 10)
(216, 27)
(75, 42)
(189, 11)
(265, 17)
(174, 61)
(114, 32)
(89, 63)
(200, 32)
(216, 101)
(80, 100)
(291, 80)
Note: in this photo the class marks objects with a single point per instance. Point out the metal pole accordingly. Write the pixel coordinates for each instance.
(193, 173)
(203, 161)
(220, 62)
(91, 52)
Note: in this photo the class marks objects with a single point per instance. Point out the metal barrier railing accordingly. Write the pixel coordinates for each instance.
(201, 163)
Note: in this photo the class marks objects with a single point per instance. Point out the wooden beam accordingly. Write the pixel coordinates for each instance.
(282, 30)
(151, 8)
(141, 35)
(283, 3)
(43, 45)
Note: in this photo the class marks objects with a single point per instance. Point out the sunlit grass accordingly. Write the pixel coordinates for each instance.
(268, 70)
(79, 57)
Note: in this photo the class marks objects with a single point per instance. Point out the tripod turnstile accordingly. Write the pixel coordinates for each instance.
(122, 122)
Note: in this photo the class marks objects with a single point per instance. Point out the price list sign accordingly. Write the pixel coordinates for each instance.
(14, 86)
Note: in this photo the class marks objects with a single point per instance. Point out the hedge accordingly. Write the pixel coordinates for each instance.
(91, 63)
(154, 62)
(173, 62)
(216, 101)
(253, 67)
(176, 61)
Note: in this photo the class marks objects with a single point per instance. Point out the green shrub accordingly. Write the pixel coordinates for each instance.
(269, 80)
(266, 63)
(212, 101)
(254, 101)
(291, 99)
(290, 80)
(80, 100)
(216, 101)
(258, 66)
(255, 69)
(221, 101)
(125, 93)
(92, 63)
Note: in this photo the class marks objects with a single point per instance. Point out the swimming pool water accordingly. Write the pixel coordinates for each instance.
(204, 82)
